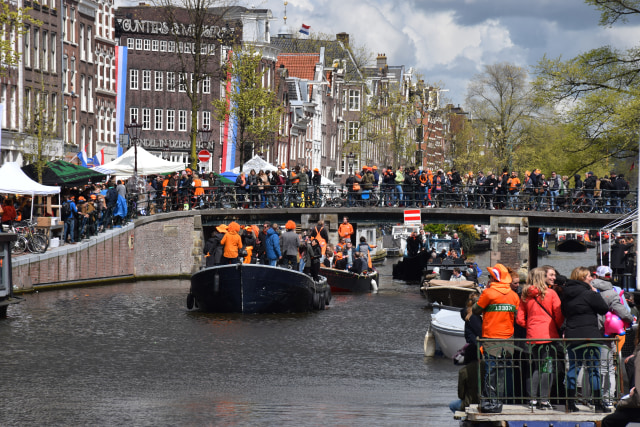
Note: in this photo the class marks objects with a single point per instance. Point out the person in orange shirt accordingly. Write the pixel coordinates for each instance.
(198, 191)
(499, 303)
(232, 242)
(514, 190)
(345, 230)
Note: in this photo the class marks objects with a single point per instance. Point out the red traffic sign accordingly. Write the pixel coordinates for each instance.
(412, 216)
(204, 156)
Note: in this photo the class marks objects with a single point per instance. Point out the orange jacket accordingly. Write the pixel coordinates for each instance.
(232, 242)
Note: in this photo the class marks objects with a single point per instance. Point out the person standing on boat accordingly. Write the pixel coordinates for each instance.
(313, 255)
(348, 253)
(290, 241)
(345, 230)
(365, 249)
(320, 233)
(455, 244)
(213, 249)
(272, 247)
(499, 305)
(413, 244)
(539, 312)
(231, 242)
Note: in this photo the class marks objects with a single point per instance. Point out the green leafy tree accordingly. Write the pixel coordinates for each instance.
(197, 24)
(596, 95)
(13, 22)
(256, 109)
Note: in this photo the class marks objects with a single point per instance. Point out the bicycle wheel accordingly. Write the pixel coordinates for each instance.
(19, 246)
(45, 236)
(37, 244)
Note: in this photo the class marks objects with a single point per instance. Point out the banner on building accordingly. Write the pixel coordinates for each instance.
(121, 93)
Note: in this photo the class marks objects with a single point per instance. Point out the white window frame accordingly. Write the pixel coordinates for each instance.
(206, 85)
(146, 79)
(182, 120)
(146, 119)
(158, 86)
(138, 44)
(154, 45)
(354, 100)
(133, 115)
(131, 43)
(163, 45)
(171, 81)
(147, 44)
(157, 122)
(133, 79)
(171, 120)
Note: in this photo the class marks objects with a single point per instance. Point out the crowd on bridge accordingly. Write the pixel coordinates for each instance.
(99, 206)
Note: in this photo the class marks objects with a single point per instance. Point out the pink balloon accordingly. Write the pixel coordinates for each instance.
(613, 325)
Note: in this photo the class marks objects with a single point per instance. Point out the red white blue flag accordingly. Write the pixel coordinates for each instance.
(305, 29)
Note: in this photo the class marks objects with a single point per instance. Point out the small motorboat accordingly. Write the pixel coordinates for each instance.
(447, 327)
(256, 288)
(571, 241)
(379, 256)
(347, 281)
(448, 293)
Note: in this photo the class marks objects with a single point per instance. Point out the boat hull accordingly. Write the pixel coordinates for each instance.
(448, 329)
(451, 294)
(342, 281)
(571, 245)
(253, 288)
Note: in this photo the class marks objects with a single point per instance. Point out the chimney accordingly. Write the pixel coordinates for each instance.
(343, 37)
(381, 61)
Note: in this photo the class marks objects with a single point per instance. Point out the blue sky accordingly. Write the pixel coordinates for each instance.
(449, 41)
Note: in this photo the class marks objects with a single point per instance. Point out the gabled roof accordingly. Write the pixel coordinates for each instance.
(333, 49)
(301, 65)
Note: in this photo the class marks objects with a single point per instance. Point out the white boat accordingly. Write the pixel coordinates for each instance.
(447, 327)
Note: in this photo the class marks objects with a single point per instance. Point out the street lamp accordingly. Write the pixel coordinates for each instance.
(133, 129)
(351, 158)
(204, 134)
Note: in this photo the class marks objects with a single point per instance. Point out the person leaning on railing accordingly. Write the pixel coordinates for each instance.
(581, 304)
(539, 312)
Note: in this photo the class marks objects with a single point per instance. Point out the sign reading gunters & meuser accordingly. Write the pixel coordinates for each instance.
(143, 26)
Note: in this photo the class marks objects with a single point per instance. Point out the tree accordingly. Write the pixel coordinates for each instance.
(13, 22)
(40, 133)
(196, 25)
(596, 94)
(390, 120)
(256, 109)
(500, 98)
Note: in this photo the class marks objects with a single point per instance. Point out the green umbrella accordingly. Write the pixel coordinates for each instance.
(59, 172)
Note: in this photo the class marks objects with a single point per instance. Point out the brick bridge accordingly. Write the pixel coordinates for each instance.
(170, 244)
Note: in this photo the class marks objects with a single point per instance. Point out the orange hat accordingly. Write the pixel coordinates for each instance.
(222, 228)
(82, 199)
(283, 166)
(93, 197)
(234, 226)
(316, 170)
(375, 167)
(290, 225)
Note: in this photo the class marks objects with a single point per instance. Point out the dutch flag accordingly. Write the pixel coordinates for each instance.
(305, 29)
(82, 155)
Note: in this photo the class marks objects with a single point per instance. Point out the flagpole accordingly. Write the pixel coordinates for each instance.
(637, 235)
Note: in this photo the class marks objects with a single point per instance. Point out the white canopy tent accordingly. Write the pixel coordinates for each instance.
(148, 164)
(257, 163)
(14, 181)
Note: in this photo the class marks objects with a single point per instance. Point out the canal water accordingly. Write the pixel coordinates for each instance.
(131, 354)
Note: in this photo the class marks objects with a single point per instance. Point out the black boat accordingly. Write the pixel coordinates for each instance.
(571, 241)
(410, 269)
(347, 281)
(255, 288)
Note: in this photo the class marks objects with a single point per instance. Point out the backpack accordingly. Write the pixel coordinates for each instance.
(356, 186)
(66, 210)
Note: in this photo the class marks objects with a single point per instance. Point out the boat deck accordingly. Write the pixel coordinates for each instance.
(512, 413)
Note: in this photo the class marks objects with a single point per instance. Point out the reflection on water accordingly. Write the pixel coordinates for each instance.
(132, 354)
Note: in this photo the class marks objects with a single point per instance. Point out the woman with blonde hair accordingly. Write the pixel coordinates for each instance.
(581, 305)
(540, 314)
